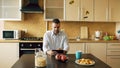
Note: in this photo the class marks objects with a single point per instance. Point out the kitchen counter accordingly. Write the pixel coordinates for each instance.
(93, 41)
(27, 61)
(70, 41)
(16, 41)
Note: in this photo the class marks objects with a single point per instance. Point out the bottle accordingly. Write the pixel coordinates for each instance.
(40, 59)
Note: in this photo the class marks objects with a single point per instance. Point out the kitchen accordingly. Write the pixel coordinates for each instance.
(34, 24)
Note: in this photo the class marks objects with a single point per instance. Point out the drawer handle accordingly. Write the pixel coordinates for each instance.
(115, 45)
(115, 58)
(115, 51)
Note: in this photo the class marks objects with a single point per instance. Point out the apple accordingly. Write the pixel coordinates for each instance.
(63, 57)
(58, 57)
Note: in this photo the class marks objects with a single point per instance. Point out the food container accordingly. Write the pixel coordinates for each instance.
(40, 59)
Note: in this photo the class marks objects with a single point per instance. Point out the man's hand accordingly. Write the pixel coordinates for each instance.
(50, 52)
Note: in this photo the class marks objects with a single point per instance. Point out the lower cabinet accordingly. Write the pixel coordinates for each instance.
(9, 54)
(75, 47)
(97, 49)
(113, 55)
(113, 61)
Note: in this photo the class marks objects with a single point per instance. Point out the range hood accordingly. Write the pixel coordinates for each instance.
(32, 7)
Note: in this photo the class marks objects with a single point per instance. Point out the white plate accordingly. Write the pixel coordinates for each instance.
(76, 61)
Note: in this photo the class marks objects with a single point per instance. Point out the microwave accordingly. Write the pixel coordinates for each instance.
(11, 34)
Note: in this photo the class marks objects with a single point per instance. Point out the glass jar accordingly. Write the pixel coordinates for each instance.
(40, 59)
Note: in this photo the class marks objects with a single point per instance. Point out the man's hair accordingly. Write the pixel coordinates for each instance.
(56, 20)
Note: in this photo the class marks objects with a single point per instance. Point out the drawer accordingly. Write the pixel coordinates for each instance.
(113, 61)
(113, 52)
(113, 46)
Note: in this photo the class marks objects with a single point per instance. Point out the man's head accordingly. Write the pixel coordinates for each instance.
(56, 25)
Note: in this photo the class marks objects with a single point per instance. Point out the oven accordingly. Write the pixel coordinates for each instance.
(29, 47)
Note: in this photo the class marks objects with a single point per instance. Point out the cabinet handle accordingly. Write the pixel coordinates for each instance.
(79, 15)
(115, 58)
(107, 14)
(115, 45)
(87, 49)
(82, 11)
(115, 51)
(110, 13)
(83, 48)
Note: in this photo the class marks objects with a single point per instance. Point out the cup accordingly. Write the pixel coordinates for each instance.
(78, 55)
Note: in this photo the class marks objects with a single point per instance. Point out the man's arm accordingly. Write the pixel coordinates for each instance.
(46, 48)
(45, 43)
(66, 45)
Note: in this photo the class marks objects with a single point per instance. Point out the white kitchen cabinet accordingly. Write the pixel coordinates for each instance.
(86, 10)
(113, 55)
(10, 10)
(53, 9)
(100, 10)
(79, 10)
(72, 10)
(75, 47)
(9, 54)
(114, 10)
(97, 49)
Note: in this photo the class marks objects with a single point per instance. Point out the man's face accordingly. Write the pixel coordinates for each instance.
(56, 28)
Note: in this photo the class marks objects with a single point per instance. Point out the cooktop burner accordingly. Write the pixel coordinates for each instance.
(32, 38)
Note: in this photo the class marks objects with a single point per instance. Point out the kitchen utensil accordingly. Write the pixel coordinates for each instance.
(84, 32)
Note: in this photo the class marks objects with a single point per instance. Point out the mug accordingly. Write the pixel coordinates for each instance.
(78, 54)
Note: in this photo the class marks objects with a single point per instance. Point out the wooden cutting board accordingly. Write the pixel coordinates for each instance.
(84, 32)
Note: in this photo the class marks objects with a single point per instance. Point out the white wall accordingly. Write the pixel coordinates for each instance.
(1, 28)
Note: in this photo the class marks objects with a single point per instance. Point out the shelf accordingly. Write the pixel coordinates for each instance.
(54, 9)
(54, 13)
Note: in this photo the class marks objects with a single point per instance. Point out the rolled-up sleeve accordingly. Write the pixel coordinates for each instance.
(66, 44)
(45, 43)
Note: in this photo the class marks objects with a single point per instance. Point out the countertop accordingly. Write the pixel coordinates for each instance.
(70, 41)
(28, 61)
(16, 41)
(93, 41)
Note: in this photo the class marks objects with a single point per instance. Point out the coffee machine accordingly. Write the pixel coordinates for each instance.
(97, 35)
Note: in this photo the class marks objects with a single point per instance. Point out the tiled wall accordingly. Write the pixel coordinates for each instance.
(73, 28)
(36, 26)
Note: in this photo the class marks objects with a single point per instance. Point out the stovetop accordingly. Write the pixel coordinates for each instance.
(32, 39)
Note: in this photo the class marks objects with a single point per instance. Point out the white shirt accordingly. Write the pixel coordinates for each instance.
(53, 42)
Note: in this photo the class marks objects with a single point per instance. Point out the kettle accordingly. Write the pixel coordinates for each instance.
(97, 35)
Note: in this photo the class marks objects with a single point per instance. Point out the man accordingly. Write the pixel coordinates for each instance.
(55, 39)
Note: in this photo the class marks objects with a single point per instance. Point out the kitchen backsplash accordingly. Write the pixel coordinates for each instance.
(33, 23)
(36, 26)
(73, 28)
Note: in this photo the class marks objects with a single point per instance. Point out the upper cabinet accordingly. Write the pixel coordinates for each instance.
(114, 10)
(79, 10)
(100, 10)
(86, 10)
(10, 10)
(72, 10)
(53, 9)
(82, 10)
